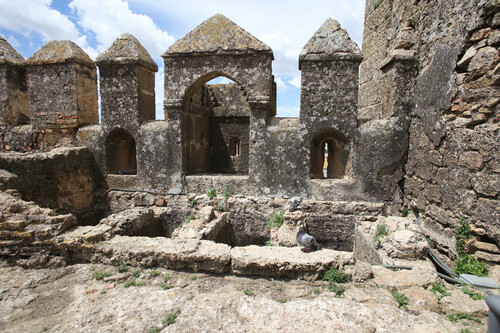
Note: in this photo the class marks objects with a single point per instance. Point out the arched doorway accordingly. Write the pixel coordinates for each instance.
(121, 157)
(215, 131)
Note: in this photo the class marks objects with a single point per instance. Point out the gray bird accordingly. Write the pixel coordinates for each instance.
(307, 241)
(294, 203)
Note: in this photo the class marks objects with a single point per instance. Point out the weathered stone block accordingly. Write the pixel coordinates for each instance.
(285, 262)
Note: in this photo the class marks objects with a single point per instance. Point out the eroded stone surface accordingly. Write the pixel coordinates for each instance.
(285, 262)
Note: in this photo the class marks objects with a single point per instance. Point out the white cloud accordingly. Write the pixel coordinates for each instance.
(295, 81)
(107, 19)
(287, 111)
(35, 16)
(280, 85)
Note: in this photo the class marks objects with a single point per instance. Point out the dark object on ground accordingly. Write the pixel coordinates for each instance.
(306, 240)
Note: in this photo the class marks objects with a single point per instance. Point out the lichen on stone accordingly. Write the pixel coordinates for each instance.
(60, 52)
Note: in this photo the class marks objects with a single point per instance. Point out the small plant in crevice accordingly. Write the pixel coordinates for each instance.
(462, 233)
(193, 277)
(405, 211)
(247, 292)
(454, 317)
(219, 208)
(282, 300)
(211, 193)
(154, 330)
(276, 220)
(136, 272)
(187, 220)
(439, 290)
(376, 4)
(256, 206)
(171, 317)
(153, 272)
(194, 202)
(380, 232)
(401, 299)
(167, 277)
(337, 289)
(98, 275)
(122, 267)
(466, 263)
(269, 243)
(472, 294)
(130, 283)
(335, 275)
(227, 192)
(165, 286)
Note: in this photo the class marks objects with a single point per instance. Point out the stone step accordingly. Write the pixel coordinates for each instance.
(286, 262)
(198, 255)
(15, 225)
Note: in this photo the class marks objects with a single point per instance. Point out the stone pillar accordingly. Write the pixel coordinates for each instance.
(127, 81)
(258, 159)
(62, 84)
(14, 104)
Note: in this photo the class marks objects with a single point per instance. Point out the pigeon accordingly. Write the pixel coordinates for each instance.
(307, 241)
(294, 203)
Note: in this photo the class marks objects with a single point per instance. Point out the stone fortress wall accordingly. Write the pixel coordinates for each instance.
(421, 132)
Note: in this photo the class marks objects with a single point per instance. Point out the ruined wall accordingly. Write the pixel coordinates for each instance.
(453, 156)
(66, 179)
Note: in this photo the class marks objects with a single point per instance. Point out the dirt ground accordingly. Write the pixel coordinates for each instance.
(98, 298)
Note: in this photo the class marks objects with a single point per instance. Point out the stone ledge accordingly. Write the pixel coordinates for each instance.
(285, 262)
(198, 255)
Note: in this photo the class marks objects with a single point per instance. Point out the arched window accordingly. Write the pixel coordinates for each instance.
(234, 147)
(121, 153)
(329, 155)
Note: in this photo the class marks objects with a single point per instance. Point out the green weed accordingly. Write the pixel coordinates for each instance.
(402, 300)
(130, 283)
(454, 317)
(227, 192)
(187, 220)
(153, 272)
(468, 264)
(165, 286)
(335, 275)
(136, 272)
(269, 243)
(282, 300)
(171, 317)
(211, 193)
(472, 294)
(337, 289)
(98, 275)
(167, 278)
(122, 267)
(439, 290)
(219, 209)
(154, 330)
(376, 4)
(276, 220)
(193, 277)
(247, 292)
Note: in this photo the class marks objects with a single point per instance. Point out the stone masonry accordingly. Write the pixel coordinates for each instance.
(410, 121)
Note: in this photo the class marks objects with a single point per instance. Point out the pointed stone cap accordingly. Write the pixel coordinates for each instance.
(60, 52)
(126, 49)
(331, 42)
(217, 35)
(8, 55)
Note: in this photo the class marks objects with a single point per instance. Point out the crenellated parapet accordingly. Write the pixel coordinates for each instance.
(14, 104)
(62, 85)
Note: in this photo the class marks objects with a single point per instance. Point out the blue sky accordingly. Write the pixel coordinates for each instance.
(284, 25)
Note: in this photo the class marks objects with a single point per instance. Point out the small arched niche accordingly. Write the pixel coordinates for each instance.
(219, 107)
(121, 157)
(329, 155)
